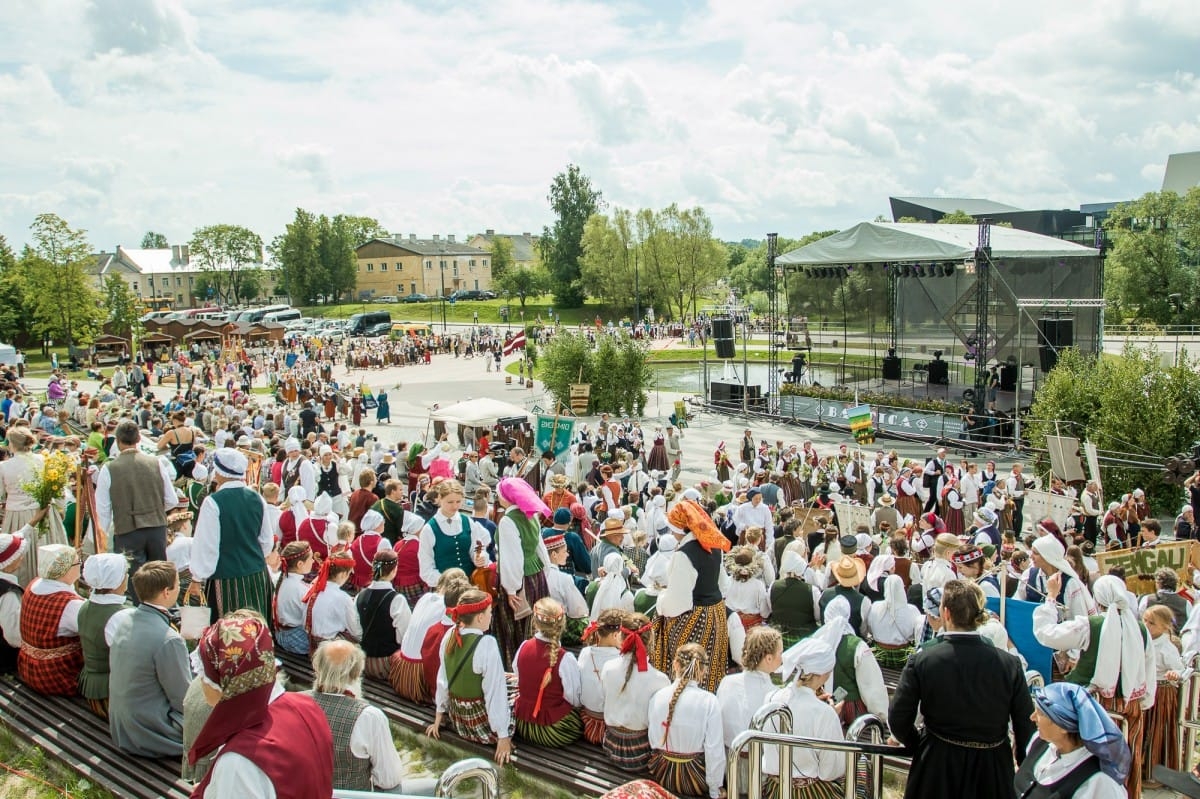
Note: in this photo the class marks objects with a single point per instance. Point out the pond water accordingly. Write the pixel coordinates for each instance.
(688, 378)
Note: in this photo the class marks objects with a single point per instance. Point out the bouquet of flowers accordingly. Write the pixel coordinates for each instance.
(50, 484)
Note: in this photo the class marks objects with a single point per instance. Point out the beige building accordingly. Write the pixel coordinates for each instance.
(524, 245)
(165, 278)
(402, 265)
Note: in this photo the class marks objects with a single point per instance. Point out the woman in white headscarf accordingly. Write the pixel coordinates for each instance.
(1116, 656)
(1050, 558)
(654, 578)
(320, 529)
(611, 590)
(856, 677)
(296, 513)
(795, 604)
(894, 625)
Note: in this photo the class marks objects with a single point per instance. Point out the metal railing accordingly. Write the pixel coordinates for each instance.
(754, 739)
(1189, 713)
(474, 768)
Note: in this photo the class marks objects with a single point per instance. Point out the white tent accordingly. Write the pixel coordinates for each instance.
(890, 242)
(8, 354)
(482, 412)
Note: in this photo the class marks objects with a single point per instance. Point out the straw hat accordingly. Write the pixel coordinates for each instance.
(559, 480)
(613, 527)
(849, 571)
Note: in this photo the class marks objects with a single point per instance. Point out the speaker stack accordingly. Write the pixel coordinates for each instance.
(1053, 335)
(892, 367)
(722, 330)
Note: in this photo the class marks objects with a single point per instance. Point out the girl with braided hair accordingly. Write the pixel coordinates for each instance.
(603, 639)
(410, 664)
(384, 613)
(741, 695)
(471, 685)
(548, 682)
(330, 612)
(297, 561)
(629, 681)
(685, 733)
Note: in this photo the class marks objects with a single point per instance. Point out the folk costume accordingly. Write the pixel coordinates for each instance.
(12, 547)
(471, 686)
(1095, 770)
(290, 610)
(893, 625)
(687, 742)
(548, 691)
(51, 656)
(329, 611)
(592, 660)
(406, 674)
(691, 608)
(794, 602)
(855, 671)
(447, 543)
(385, 616)
(100, 572)
(522, 560)
(629, 682)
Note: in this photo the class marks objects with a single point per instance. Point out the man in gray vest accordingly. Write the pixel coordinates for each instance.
(364, 755)
(133, 494)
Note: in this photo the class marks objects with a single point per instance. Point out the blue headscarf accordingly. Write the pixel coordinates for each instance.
(1071, 707)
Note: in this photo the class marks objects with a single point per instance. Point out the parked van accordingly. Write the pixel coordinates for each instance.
(258, 314)
(361, 322)
(403, 330)
(282, 317)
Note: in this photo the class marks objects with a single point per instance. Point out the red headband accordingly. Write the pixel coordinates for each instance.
(471, 609)
(633, 642)
(339, 559)
(13, 548)
(299, 556)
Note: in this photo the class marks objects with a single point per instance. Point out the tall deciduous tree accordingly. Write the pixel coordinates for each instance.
(16, 318)
(501, 250)
(296, 257)
(227, 254)
(124, 310)
(65, 305)
(1155, 248)
(315, 254)
(573, 200)
(154, 241)
(523, 284)
(610, 251)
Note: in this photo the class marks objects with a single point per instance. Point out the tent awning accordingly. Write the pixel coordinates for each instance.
(482, 412)
(891, 242)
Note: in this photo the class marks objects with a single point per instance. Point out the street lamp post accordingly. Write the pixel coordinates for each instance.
(637, 294)
(443, 297)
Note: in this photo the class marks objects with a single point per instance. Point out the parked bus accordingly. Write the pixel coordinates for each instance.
(282, 317)
(258, 314)
(156, 304)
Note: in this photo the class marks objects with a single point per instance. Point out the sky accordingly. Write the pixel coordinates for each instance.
(443, 117)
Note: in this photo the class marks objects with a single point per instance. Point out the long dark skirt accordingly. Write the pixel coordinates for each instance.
(252, 592)
(510, 633)
(707, 626)
(943, 770)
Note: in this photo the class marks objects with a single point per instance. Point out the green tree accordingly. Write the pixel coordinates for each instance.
(228, 255)
(570, 358)
(957, 217)
(361, 229)
(65, 306)
(295, 254)
(573, 201)
(525, 283)
(16, 320)
(502, 256)
(123, 307)
(1154, 255)
(154, 241)
(610, 253)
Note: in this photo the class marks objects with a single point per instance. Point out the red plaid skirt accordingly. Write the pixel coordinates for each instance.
(470, 720)
(593, 726)
(54, 672)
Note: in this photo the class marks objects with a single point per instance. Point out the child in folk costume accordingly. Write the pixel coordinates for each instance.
(952, 505)
(685, 730)
(290, 634)
(179, 546)
(814, 774)
(521, 561)
(856, 673)
(548, 681)
(295, 514)
(611, 590)
(629, 681)
(741, 695)
(365, 546)
(1162, 720)
(603, 637)
(654, 578)
(330, 612)
(51, 655)
(106, 575)
(320, 529)
(414, 669)
(471, 686)
(384, 614)
(13, 547)
(747, 592)
(893, 624)
(563, 589)
(451, 540)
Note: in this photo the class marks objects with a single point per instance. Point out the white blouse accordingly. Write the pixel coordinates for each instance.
(289, 604)
(625, 703)
(902, 628)
(568, 671)
(1166, 656)
(591, 664)
(430, 609)
(334, 613)
(485, 661)
(695, 728)
(749, 596)
(811, 718)
(740, 696)
(1052, 767)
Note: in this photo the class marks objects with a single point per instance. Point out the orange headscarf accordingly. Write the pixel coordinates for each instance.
(688, 515)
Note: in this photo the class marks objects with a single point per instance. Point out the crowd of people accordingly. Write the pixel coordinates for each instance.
(527, 598)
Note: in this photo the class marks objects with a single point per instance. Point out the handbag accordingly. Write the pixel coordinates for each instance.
(523, 609)
(194, 620)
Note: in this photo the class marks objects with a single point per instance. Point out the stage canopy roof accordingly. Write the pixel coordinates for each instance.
(893, 242)
(482, 412)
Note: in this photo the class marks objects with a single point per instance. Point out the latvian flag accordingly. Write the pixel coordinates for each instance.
(515, 343)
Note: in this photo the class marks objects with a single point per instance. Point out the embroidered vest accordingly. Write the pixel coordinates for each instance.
(452, 550)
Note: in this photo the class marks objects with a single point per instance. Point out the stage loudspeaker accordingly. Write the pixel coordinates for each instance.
(1053, 335)
(1008, 377)
(723, 337)
(939, 373)
(892, 367)
(1064, 458)
(729, 395)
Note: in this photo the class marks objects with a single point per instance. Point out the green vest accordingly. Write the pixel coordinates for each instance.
(531, 534)
(792, 607)
(1085, 668)
(241, 518)
(93, 680)
(843, 670)
(350, 773)
(451, 551)
(463, 682)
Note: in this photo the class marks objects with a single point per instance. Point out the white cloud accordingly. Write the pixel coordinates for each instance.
(172, 114)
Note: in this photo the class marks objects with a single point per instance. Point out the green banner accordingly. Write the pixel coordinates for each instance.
(554, 434)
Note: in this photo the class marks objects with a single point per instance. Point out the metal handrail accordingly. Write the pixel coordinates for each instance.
(786, 743)
(474, 768)
(1189, 713)
(873, 728)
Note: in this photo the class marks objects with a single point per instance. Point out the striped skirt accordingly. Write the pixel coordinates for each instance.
(851, 709)
(563, 732)
(706, 625)
(251, 592)
(292, 639)
(379, 668)
(509, 632)
(891, 657)
(639, 789)
(1162, 728)
(1132, 711)
(627, 749)
(408, 680)
(593, 726)
(802, 788)
(470, 720)
(185, 581)
(679, 774)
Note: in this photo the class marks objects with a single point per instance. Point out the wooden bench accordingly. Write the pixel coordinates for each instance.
(582, 768)
(69, 732)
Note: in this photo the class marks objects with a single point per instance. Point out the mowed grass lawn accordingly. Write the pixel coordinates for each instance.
(464, 311)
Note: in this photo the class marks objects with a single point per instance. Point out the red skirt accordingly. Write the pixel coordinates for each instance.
(593, 726)
(53, 672)
(408, 679)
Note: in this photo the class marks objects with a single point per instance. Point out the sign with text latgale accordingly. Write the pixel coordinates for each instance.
(1140, 564)
(554, 434)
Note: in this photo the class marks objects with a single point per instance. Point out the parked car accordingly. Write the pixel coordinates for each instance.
(416, 298)
(389, 298)
(380, 329)
(467, 294)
